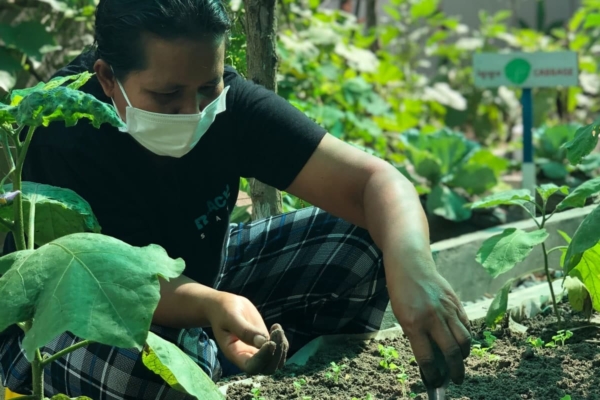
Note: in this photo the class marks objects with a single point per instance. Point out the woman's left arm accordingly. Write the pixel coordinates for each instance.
(374, 195)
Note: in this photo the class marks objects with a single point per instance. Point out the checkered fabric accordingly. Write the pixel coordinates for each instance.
(313, 273)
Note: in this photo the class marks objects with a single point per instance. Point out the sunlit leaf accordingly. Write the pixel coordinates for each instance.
(499, 306)
(584, 142)
(578, 197)
(509, 197)
(41, 107)
(588, 271)
(547, 190)
(577, 293)
(178, 370)
(500, 253)
(586, 236)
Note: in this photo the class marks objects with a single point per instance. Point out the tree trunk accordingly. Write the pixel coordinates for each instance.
(261, 56)
(371, 23)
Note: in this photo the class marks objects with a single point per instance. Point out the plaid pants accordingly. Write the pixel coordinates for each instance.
(313, 273)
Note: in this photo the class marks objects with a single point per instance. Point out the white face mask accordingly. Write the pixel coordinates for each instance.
(172, 135)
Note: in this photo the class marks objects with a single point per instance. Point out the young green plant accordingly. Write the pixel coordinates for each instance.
(64, 265)
(500, 253)
(389, 354)
(336, 371)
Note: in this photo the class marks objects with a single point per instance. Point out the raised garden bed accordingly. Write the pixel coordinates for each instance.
(512, 368)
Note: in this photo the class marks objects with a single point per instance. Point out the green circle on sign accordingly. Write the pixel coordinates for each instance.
(517, 71)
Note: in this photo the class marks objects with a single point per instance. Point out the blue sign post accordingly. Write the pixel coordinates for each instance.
(526, 71)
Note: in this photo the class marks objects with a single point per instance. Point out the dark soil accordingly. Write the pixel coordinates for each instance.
(515, 370)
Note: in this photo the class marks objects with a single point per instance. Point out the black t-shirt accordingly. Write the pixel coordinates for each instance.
(182, 204)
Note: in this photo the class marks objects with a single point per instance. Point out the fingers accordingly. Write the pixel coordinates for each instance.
(461, 334)
(256, 364)
(423, 350)
(451, 351)
(280, 354)
(271, 356)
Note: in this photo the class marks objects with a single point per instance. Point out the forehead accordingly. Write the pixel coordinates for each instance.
(182, 62)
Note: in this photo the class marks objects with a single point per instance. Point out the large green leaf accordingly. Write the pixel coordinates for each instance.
(578, 197)
(588, 271)
(584, 142)
(30, 37)
(499, 305)
(446, 203)
(95, 286)
(426, 165)
(554, 170)
(58, 212)
(500, 253)
(547, 190)
(450, 149)
(486, 158)
(475, 179)
(586, 236)
(178, 370)
(78, 80)
(41, 107)
(509, 197)
(549, 140)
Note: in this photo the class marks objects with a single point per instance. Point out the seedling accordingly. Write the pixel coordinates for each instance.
(567, 397)
(482, 352)
(298, 387)
(535, 342)
(561, 336)
(256, 394)
(336, 370)
(403, 379)
(489, 338)
(388, 353)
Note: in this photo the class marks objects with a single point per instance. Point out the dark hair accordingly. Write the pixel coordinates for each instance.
(121, 24)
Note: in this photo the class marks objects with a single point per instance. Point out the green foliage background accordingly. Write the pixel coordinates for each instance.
(372, 87)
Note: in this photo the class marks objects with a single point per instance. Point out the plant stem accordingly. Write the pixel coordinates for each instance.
(531, 215)
(19, 229)
(37, 372)
(68, 350)
(31, 226)
(25, 397)
(546, 267)
(556, 248)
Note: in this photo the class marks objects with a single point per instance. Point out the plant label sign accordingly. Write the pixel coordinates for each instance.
(526, 70)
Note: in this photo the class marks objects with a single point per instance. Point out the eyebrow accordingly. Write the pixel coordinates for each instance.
(213, 81)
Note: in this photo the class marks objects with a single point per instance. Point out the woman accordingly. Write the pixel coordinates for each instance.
(251, 295)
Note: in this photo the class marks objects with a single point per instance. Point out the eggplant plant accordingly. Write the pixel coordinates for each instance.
(454, 168)
(580, 259)
(65, 274)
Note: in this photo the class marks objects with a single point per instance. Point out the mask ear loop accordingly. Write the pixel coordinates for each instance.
(122, 89)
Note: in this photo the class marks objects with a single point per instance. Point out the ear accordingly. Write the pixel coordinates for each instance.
(105, 77)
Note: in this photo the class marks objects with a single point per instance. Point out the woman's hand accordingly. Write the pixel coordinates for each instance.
(243, 337)
(429, 313)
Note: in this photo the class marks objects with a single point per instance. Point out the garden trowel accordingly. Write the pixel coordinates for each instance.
(439, 393)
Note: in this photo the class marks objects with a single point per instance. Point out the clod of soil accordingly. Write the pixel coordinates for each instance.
(512, 368)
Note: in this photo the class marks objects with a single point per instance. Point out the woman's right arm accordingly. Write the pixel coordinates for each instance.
(185, 303)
